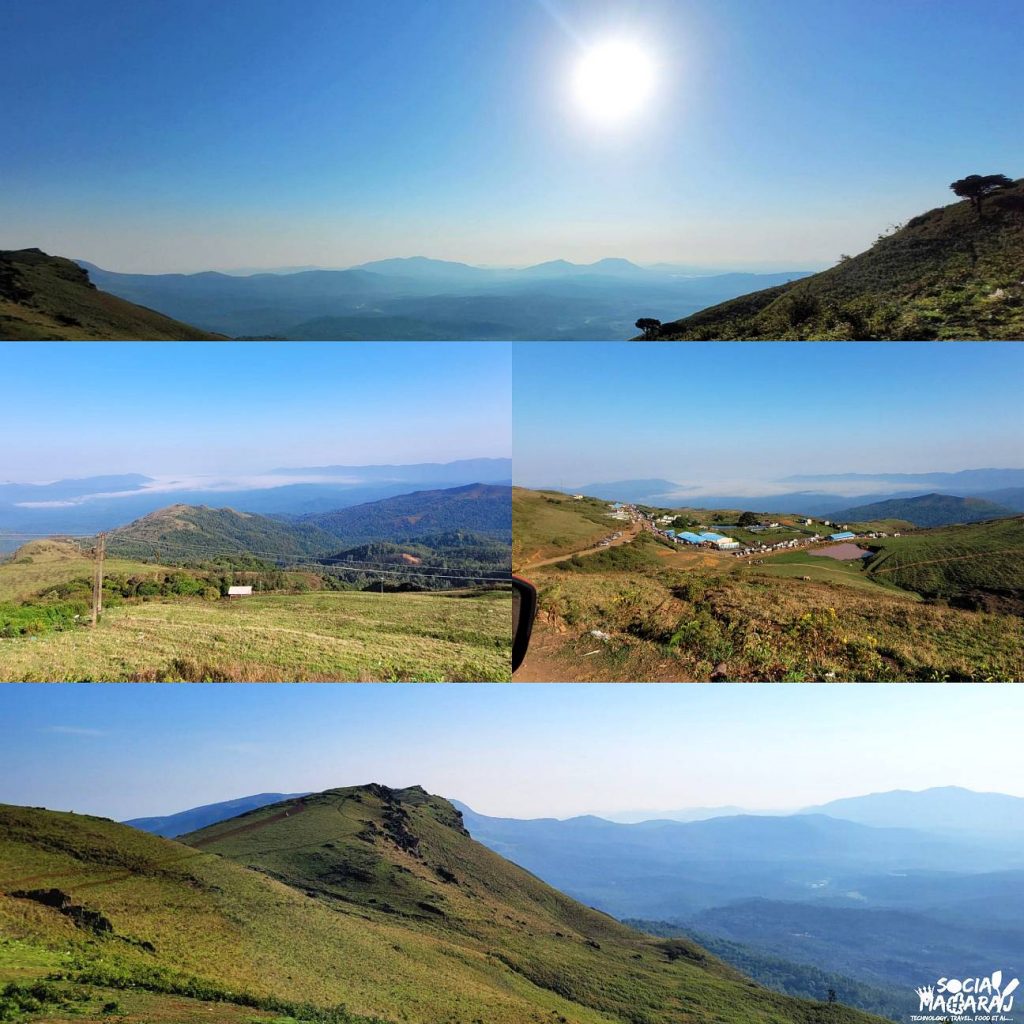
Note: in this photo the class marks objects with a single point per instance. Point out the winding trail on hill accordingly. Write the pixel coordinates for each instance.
(631, 534)
(254, 826)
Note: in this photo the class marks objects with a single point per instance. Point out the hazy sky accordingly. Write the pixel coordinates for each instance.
(199, 408)
(145, 135)
(130, 750)
(734, 419)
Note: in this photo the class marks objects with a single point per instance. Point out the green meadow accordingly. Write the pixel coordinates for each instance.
(344, 635)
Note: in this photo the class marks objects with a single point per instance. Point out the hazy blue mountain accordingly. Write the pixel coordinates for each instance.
(630, 817)
(958, 487)
(421, 298)
(666, 868)
(965, 481)
(63, 490)
(940, 809)
(925, 510)
(478, 508)
(171, 825)
(1010, 497)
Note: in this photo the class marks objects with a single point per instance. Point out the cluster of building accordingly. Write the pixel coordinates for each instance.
(713, 540)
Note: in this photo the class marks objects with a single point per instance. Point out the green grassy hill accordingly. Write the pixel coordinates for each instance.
(368, 897)
(977, 565)
(948, 273)
(44, 565)
(46, 297)
(196, 532)
(924, 510)
(548, 523)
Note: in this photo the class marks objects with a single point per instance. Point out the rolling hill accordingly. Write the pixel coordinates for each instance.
(193, 533)
(974, 565)
(949, 273)
(457, 519)
(46, 297)
(924, 510)
(479, 508)
(349, 905)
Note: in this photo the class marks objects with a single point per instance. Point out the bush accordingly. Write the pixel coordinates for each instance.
(37, 619)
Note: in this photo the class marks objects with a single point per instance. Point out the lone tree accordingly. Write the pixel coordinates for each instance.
(976, 186)
(748, 519)
(649, 326)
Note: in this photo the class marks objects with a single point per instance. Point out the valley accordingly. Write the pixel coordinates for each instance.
(779, 602)
(807, 900)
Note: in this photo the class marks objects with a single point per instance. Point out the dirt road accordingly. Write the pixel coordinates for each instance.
(631, 533)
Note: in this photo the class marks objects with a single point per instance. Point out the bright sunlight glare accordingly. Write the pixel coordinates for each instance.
(613, 80)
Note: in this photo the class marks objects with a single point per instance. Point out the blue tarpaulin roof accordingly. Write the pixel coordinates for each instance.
(691, 538)
(845, 535)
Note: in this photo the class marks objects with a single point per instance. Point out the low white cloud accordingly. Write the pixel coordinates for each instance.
(209, 484)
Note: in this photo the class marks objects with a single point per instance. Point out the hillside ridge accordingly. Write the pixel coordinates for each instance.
(44, 297)
(366, 896)
(950, 273)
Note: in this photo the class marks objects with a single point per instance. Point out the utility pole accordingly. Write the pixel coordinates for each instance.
(97, 578)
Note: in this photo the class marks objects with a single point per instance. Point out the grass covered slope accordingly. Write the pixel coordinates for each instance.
(449, 636)
(373, 898)
(949, 273)
(44, 565)
(931, 605)
(548, 523)
(975, 565)
(46, 297)
(699, 625)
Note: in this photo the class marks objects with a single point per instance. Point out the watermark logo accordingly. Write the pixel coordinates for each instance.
(967, 999)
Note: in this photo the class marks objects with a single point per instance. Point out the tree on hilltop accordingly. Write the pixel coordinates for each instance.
(649, 326)
(976, 187)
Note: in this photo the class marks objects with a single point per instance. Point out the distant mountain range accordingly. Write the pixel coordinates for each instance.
(425, 299)
(48, 297)
(91, 504)
(967, 496)
(951, 273)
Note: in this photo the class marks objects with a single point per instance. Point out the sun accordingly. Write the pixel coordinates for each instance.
(613, 81)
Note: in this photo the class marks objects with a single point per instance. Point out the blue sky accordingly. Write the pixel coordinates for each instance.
(151, 136)
(213, 408)
(744, 415)
(131, 750)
